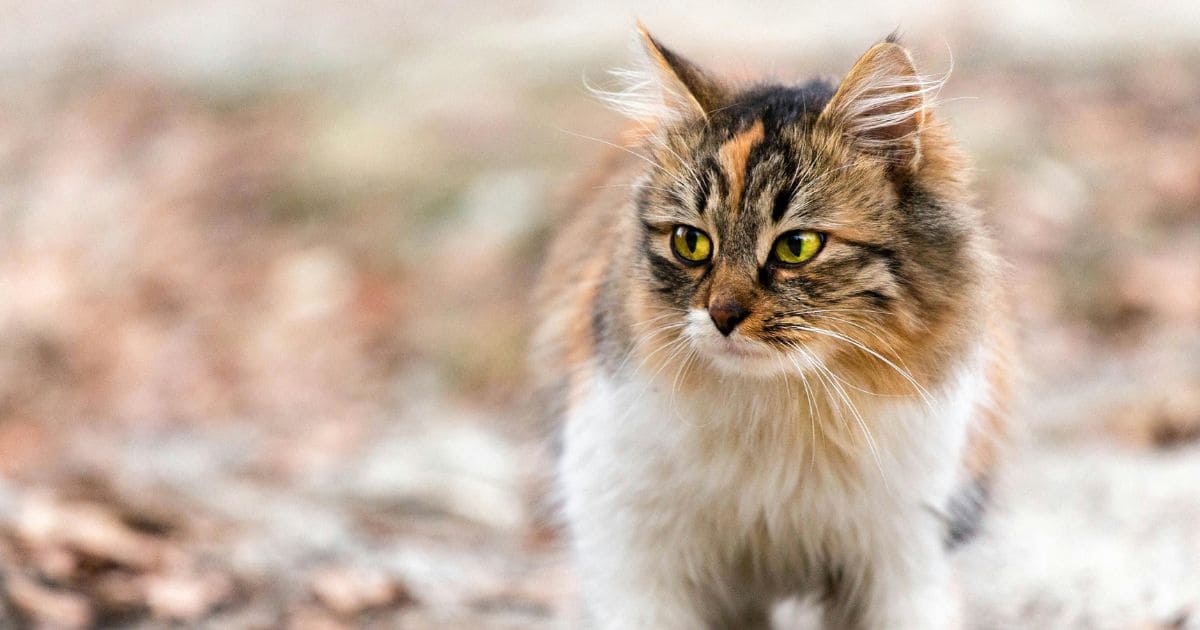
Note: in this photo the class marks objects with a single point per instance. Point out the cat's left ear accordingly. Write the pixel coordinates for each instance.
(881, 107)
(684, 88)
(664, 87)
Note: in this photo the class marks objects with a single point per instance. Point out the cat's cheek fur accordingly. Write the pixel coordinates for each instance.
(664, 494)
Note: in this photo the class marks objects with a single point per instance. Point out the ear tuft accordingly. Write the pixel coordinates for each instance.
(664, 86)
(882, 104)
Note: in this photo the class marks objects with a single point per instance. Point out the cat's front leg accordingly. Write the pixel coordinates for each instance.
(907, 586)
(623, 591)
(631, 552)
(925, 603)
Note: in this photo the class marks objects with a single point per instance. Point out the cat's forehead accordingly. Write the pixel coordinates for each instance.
(749, 159)
(772, 116)
(780, 109)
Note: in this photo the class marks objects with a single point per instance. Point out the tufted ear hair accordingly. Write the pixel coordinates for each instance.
(881, 105)
(664, 86)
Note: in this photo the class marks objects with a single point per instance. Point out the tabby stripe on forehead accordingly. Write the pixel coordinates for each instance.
(733, 156)
(703, 189)
(786, 193)
(783, 199)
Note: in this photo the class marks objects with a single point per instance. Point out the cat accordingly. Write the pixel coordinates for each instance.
(777, 345)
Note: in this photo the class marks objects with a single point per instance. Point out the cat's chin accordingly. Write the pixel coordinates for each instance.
(738, 356)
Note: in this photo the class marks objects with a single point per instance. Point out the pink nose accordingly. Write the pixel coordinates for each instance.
(727, 314)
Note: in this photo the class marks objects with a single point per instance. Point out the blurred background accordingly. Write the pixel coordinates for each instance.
(264, 270)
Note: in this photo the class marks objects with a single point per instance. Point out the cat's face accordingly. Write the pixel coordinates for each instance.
(766, 246)
(773, 241)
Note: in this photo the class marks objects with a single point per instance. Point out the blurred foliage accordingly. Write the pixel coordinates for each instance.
(264, 273)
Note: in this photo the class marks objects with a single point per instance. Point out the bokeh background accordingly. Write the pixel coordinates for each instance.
(263, 297)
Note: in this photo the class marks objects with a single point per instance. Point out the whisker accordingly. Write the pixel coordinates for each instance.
(644, 338)
(662, 144)
(885, 342)
(861, 422)
(857, 344)
(877, 336)
(677, 344)
(675, 382)
(831, 382)
(639, 156)
(812, 413)
(641, 340)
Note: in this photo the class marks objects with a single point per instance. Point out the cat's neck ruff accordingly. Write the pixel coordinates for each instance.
(809, 411)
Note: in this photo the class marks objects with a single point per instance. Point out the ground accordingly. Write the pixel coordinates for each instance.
(263, 282)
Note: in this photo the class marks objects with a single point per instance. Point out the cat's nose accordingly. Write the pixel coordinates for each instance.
(727, 314)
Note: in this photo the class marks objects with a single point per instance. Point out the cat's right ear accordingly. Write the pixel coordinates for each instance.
(882, 104)
(666, 86)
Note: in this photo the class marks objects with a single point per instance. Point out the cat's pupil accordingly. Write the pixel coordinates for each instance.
(691, 238)
(795, 244)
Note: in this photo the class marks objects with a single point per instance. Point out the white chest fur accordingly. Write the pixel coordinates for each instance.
(740, 487)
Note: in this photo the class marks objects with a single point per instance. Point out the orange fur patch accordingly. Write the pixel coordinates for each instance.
(733, 156)
(986, 443)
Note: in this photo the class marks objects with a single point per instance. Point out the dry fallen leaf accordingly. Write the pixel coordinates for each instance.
(187, 596)
(54, 563)
(348, 591)
(88, 528)
(312, 618)
(47, 606)
(1169, 419)
(118, 591)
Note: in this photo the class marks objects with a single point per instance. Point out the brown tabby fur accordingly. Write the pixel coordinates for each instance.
(598, 283)
(901, 301)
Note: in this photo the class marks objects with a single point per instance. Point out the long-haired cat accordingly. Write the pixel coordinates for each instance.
(775, 343)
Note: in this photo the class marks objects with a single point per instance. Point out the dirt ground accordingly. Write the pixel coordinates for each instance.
(263, 281)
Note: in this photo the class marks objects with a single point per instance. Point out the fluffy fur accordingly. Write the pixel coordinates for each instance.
(839, 440)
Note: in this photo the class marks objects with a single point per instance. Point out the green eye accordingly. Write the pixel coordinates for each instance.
(691, 245)
(799, 246)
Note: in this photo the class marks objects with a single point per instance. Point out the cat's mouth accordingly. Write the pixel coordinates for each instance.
(741, 349)
(741, 356)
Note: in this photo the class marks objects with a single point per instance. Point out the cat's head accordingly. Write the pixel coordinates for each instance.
(783, 227)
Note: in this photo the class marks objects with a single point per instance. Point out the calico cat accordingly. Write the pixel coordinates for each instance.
(776, 344)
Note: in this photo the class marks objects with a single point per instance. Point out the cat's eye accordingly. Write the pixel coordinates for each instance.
(797, 247)
(691, 245)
